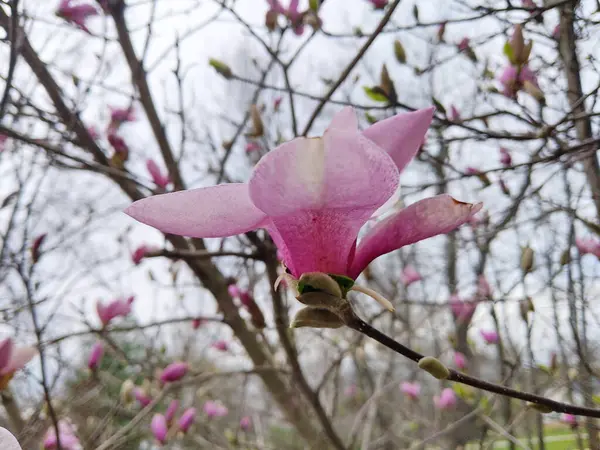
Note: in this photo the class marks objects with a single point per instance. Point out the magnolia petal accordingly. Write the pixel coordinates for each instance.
(20, 357)
(8, 441)
(421, 220)
(216, 211)
(319, 192)
(401, 135)
(6, 350)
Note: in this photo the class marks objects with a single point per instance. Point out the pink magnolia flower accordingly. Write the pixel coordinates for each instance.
(8, 441)
(174, 372)
(513, 79)
(490, 337)
(160, 179)
(66, 433)
(215, 409)
(234, 290)
(462, 310)
(220, 345)
(96, 355)
(410, 276)
(484, 289)
(314, 195)
(245, 423)
(76, 14)
(505, 158)
(294, 16)
(159, 428)
(171, 411)
(187, 419)
(379, 4)
(460, 360)
(446, 400)
(588, 245)
(464, 44)
(139, 254)
(570, 420)
(12, 359)
(411, 390)
(252, 146)
(454, 114)
(119, 116)
(141, 396)
(119, 307)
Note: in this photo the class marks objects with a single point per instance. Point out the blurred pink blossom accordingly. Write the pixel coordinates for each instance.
(215, 409)
(447, 399)
(12, 359)
(409, 276)
(490, 337)
(556, 32)
(588, 245)
(142, 397)
(464, 44)
(197, 323)
(462, 310)
(174, 372)
(483, 287)
(570, 420)
(220, 345)
(119, 116)
(379, 4)
(66, 434)
(234, 290)
(252, 146)
(76, 14)
(159, 428)
(513, 79)
(454, 114)
(460, 360)
(187, 419)
(277, 103)
(139, 254)
(160, 179)
(96, 355)
(505, 158)
(411, 390)
(119, 307)
(245, 423)
(171, 411)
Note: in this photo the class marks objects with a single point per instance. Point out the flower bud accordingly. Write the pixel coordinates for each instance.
(258, 128)
(399, 52)
(316, 318)
(527, 259)
(534, 91)
(565, 257)
(517, 44)
(435, 367)
(126, 393)
(318, 281)
(526, 306)
(221, 68)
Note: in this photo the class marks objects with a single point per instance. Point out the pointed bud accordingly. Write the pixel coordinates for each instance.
(258, 128)
(565, 257)
(221, 68)
(441, 31)
(318, 281)
(174, 372)
(399, 52)
(435, 367)
(525, 307)
(534, 91)
(126, 393)
(517, 44)
(316, 318)
(527, 259)
(387, 85)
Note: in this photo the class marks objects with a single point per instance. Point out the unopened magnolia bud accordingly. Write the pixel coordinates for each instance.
(435, 367)
(527, 259)
(316, 318)
(399, 52)
(539, 407)
(221, 68)
(387, 85)
(126, 393)
(517, 44)
(318, 281)
(534, 91)
(565, 257)
(258, 128)
(526, 306)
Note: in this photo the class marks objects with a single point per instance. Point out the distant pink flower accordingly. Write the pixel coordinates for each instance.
(197, 323)
(187, 419)
(379, 4)
(171, 411)
(409, 276)
(292, 13)
(246, 298)
(119, 145)
(121, 115)
(220, 345)
(8, 441)
(36, 246)
(215, 409)
(314, 216)
(245, 423)
(12, 359)
(66, 433)
(411, 390)
(472, 171)
(351, 390)
(160, 179)
(483, 288)
(234, 290)
(464, 44)
(570, 420)
(93, 132)
(96, 355)
(139, 254)
(252, 146)
(460, 360)
(142, 397)
(277, 103)
(119, 307)
(447, 400)
(513, 79)
(454, 114)
(556, 32)
(174, 372)
(588, 245)
(490, 337)
(159, 428)
(76, 14)
(505, 158)
(462, 310)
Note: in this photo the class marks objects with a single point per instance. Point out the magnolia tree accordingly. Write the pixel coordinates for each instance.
(200, 197)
